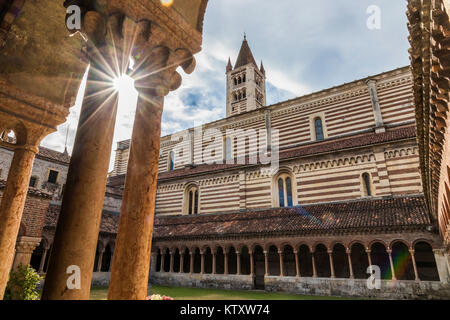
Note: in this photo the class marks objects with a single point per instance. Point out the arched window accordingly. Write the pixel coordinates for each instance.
(318, 129)
(227, 148)
(244, 95)
(191, 200)
(235, 81)
(284, 188)
(367, 184)
(171, 161)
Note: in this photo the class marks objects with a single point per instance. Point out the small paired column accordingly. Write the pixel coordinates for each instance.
(181, 262)
(163, 258)
(214, 263)
(314, 265)
(252, 264)
(43, 257)
(266, 263)
(226, 263)
(191, 262)
(171, 261)
(350, 266)
(281, 254)
(389, 251)
(238, 262)
(297, 265)
(202, 255)
(413, 258)
(330, 254)
(369, 258)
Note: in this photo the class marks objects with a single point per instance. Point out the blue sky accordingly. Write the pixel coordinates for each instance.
(305, 45)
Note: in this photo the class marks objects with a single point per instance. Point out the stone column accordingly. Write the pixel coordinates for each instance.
(153, 259)
(172, 258)
(297, 265)
(238, 262)
(314, 265)
(413, 258)
(163, 257)
(369, 258)
(280, 254)
(225, 262)
(202, 269)
(330, 254)
(191, 262)
(78, 224)
(11, 207)
(181, 262)
(129, 277)
(24, 249)
(350, 266)
(389, 251)
(266, 263)
(252, 264)
(100, 259)
(43, 257)
(214, 263)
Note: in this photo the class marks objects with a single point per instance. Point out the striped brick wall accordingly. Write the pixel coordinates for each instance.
(336, 176)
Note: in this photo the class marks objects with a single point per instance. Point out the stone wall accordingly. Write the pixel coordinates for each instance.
(216, 281)
(310, 286)
(358, 288)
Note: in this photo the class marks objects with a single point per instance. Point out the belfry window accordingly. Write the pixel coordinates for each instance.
(318, 129)
(171, 161)
(192, 200)
(367, 184)
(284, 184)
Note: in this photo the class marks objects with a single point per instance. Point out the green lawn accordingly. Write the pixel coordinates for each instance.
(100, 293)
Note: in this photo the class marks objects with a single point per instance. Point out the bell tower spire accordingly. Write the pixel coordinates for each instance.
(246, 83)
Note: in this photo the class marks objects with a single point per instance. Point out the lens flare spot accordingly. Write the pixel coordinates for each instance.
(123, 83)
(166, 3)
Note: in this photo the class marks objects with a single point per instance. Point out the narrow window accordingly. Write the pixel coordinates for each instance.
(281, 192)
(53, 176)
(285, 198)
(33, 182)
(319, 129)
(366, 179)
(289, 191)
(171, 161)
(196, 202)
(190, 201)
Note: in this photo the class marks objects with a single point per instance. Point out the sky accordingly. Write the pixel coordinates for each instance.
(306, 46)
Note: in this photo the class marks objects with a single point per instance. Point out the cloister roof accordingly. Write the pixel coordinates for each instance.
(368, 215)
(362, 216)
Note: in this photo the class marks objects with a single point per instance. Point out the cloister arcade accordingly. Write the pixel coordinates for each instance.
(398, 260)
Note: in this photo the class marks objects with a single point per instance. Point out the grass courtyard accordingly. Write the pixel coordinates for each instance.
(100, 293)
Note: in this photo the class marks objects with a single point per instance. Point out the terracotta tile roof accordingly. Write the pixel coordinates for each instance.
(331, 145)
(31, 191)
(108, 224)
(53, 155)
(361, 215)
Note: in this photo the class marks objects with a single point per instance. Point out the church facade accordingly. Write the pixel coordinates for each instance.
(300, 196)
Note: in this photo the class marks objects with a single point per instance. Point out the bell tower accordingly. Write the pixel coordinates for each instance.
(246, 83)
